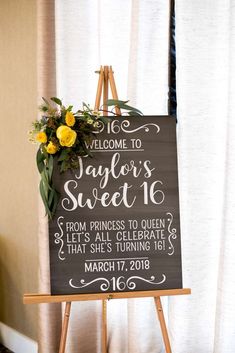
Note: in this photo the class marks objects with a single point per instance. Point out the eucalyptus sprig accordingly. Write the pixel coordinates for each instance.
(66, 136)
(129, 110)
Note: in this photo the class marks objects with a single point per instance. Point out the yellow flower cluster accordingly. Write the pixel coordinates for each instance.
(64, 133)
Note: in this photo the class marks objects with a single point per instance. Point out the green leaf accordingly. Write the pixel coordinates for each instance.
(104, 119)
(85, 150)
(128, 107)
(55, 203)
(63, 155)
(50, 198)
(40, 160)
(44, 198)
(64, 166)
(45, 184)
(122, 105)
(56, 100)
(50, 167)
(81, 118)
(43, 108)
(44, 151)
(134, 113)
(117, 102)
(86, 106)
(70, 107)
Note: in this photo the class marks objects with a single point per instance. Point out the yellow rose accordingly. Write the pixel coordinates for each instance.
(66, 136)
(51, 148)
(41, 137)
(70, 119)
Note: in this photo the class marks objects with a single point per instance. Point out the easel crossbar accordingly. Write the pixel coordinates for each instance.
(47, 298)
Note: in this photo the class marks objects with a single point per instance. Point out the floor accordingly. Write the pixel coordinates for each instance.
(4, 349)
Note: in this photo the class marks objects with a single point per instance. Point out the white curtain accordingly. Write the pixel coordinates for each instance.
(205, 40)
(132, 36)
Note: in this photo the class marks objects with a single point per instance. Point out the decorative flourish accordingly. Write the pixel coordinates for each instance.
(59, 238)
(172, 233)
(126, 123)
(117, 283)
(100, 127)
(66, 135)
(104, 286)
(132, 285)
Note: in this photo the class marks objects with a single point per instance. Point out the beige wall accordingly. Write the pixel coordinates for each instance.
(18, 175)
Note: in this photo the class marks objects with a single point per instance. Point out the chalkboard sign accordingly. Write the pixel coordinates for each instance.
(117, 224)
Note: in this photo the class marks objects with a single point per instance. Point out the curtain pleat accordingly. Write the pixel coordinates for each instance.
(49, 327)
(224, 333)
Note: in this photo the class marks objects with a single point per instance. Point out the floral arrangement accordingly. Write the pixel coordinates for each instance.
(65, 135)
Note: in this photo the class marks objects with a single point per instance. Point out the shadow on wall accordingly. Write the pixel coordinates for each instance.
(4, 349)
(13, 281)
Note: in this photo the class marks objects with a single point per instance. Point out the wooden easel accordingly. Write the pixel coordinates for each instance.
(68, 299)
(106, 78)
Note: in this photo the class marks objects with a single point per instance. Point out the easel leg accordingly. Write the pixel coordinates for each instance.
(105, 89)
(99, 88)
(113, 89)
(65, 327)
(161, 318)
(104, 326)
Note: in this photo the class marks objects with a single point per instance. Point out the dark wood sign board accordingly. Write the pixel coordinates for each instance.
(117, 225)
